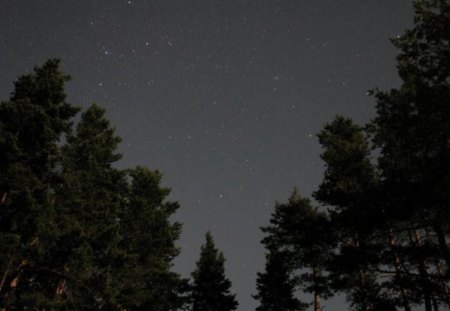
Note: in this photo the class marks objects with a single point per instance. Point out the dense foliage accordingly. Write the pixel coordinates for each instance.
(381, 234)
(211, 290)
(75, 232)
(276, 286)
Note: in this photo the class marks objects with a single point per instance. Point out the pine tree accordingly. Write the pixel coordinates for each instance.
(411, 129)
(276, 286)
(348, 190)
(411, 126)
(396, 253)
(211, 289)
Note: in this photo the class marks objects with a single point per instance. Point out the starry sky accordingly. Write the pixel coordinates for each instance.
(224, 97)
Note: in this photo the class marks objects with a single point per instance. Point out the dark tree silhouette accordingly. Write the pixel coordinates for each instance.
(301, 232)
(32, 123)
(276, 286)
(75, 232)
(383, 239)
(412, 132)
(148, 239)
(348, 189)
(211, 289)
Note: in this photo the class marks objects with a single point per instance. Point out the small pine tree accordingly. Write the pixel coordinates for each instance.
(276, 286)
(211, 289)
(303, 233)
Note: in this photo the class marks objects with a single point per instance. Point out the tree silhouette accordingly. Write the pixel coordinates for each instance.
(411, 130)
(32, 123)
(211, 289)
(301, 232)
(276, 286)
(76, 233)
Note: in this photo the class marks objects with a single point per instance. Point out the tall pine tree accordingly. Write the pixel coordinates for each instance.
(348, 190)
(412, 131)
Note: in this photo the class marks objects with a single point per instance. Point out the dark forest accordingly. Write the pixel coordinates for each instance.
(78, 233)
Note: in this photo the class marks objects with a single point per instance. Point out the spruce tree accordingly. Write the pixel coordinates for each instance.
(276, 286)
(211, 289)
(32, 124)
(76, 233)
(92, 196)
(303, 233)
(148, 239)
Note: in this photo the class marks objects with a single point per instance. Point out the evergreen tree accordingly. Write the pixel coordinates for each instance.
(148, 240)
(348, 189)
(411, 125)
(92, 196)
(396, 253)
(276, 286)
(349, 174)
(303, 233)
(32, 123)
(412, 131)
(75, 232)
(211, 289)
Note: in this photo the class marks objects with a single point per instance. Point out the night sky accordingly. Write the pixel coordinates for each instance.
(224, 97)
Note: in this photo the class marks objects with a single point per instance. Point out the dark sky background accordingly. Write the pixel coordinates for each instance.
(225, 97)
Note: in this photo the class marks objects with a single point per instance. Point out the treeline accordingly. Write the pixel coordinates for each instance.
(380, 234)
(76, 233)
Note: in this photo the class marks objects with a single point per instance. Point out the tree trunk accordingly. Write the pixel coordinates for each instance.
(4, 196)
(316, 293)
(316, 301)
(8, 268)
(435, 303)
(363, 289)
(5, 275)
(397, 266)
(427, 299)
(363, 282)
(445, 290)
(445, 296)
(443, 245)
(424, 279)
